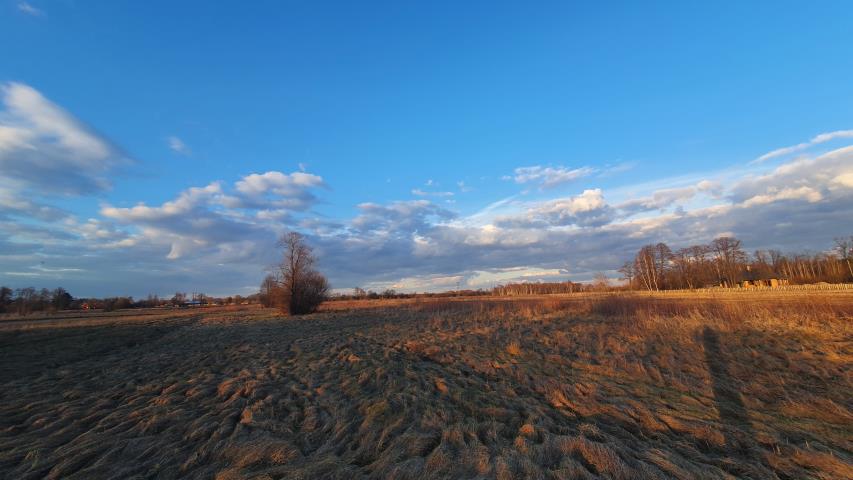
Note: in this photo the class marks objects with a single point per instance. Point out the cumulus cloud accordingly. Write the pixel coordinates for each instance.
(188, 225)
(399, 217)
(187, 202)
(661, 199)
(810, 178)
(205, 219)
(550, 177)
(589, 209)
(276, 189)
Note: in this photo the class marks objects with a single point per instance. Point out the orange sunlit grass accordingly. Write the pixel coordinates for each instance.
(583, 386)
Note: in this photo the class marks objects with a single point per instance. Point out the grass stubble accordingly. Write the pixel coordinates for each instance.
(610, 386)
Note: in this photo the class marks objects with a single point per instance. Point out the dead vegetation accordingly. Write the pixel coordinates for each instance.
(633, 386)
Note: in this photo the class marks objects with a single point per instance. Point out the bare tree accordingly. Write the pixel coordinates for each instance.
(690, 266)
(179, 299)
(302, 288)
(729, 259)
(844, 247)
(25, 300)
(652, 264)
(628, 273)
(61, 299)
(269, 291)
(5, 298)
(600, 282)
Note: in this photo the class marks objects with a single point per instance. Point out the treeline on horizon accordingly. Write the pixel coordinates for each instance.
(24, 301)
(538, 288)
(721, 263)
(724, 263)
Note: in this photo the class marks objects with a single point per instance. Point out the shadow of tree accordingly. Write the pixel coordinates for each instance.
(727, 397)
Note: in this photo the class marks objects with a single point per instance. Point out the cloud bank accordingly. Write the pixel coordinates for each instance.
(219, 237)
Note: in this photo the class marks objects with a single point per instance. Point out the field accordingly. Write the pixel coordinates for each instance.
(634, 386)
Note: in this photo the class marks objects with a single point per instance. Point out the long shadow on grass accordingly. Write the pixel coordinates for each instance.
(727, 397)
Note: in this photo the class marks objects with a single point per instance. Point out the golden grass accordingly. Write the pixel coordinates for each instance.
(586, 386)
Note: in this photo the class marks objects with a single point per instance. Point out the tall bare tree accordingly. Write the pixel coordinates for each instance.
(652, 264)
(729, 259)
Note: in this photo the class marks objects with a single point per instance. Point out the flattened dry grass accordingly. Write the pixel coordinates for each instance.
(624, 386)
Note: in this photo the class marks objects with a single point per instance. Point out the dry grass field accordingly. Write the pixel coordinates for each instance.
(741, 386)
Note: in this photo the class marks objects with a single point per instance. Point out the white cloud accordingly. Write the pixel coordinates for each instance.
(774, 195)
(29, 9)
(210, 221)
(549, 177)
(816, 140)
(820, 173)
(665, 198)
(423, 193)
(178, 146)
(278, 183)
(399, 217)
(275, 190)
(45, 149)
(844, 180)
(713, 187)
(589, 209)
(186, 202)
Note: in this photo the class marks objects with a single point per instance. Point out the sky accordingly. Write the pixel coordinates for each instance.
(155, 147)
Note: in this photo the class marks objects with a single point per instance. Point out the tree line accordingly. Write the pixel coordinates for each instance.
(724, 263)
(541, 288)
(24, 301)
(296, 287)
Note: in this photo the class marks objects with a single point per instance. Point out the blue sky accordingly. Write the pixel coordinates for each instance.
(418, 145)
